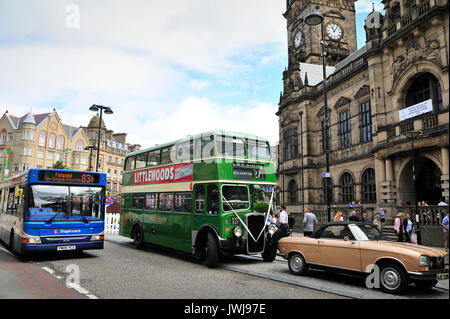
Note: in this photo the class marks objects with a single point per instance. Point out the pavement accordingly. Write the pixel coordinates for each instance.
(22, 280)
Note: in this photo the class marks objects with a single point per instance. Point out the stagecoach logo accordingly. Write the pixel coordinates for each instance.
(167, 174)
(67, 231)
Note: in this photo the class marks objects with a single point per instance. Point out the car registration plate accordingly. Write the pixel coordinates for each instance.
(443, 276)
(70, 247)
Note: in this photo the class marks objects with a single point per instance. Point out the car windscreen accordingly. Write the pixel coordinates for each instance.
(367, 232)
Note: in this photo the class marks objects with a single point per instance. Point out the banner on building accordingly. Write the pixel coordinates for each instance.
(415, 110)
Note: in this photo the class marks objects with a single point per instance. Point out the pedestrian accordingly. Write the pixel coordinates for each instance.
(283, 221)
(408, 227)
(382, 216)
(353, 217)
(269, 218)
(398, 226)
(445, 229)
(338, 217)
(377, 222)
(364, 218)
(308, 221)
(442, 203)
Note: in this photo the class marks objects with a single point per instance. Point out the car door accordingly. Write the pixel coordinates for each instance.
(338, 248)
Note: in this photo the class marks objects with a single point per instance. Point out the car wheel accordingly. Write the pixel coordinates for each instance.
(211, 252)
(297, 264)
(425, 284)
(392, 279)
(138, 237)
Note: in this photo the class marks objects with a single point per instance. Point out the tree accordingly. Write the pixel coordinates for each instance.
(59, 165)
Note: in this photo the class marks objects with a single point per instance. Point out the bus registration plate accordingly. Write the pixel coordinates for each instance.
(70, 247)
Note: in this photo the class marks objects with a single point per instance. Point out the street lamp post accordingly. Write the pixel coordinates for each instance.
(411, 135)
(96, 108)
(90, 148)
(301, 154)
(314, 18)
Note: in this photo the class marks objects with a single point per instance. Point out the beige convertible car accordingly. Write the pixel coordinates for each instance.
(357, 248)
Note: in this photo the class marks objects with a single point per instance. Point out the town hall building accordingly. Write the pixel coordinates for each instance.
(380, 98)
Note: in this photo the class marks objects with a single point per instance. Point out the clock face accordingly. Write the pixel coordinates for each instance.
(298, 39)
(334, 31)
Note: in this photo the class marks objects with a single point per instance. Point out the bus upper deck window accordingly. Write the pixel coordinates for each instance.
(230, 146)
(129, 163)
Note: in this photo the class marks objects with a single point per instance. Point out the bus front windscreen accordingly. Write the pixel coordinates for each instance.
(50, 202)
(236, 197)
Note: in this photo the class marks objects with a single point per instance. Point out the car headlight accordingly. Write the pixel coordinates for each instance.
(271, 229)
(237, 231)
(424, 262)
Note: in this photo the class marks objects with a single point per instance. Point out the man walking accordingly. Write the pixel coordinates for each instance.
(283, 221)
(308, 221)
(445, 229)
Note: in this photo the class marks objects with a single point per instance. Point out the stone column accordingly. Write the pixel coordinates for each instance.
(388, 190)
(445, 174)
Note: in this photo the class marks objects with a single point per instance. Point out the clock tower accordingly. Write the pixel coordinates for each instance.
(339, 30)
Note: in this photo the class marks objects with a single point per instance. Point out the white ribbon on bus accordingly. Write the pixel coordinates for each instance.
(248, 230)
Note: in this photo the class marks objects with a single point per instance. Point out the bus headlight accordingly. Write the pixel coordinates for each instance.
(271, 229)
(237, 232)
(31, 240)
(97, 237)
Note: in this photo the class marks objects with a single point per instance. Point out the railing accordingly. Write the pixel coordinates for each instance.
(429, 122)
(112, 222)
(322, 215)
(428, 215)
(408, 18)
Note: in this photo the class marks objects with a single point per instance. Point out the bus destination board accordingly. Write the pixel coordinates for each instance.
(68, 177)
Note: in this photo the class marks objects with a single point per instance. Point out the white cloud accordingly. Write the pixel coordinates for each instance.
(198, 114)
(362, 6)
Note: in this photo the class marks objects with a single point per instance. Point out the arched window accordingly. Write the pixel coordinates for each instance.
(425, 87)
(60, 143)
(80, 146)
(51, 140)
(347, 188)
(369, 192)
(42, 138)
(3, 135)
(292, 192)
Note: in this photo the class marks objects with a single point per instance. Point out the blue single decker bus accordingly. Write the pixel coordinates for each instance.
(53, 210)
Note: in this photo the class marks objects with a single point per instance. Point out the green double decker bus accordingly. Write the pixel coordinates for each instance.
(197, 195)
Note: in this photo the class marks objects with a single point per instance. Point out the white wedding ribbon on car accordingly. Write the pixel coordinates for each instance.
(245, 226)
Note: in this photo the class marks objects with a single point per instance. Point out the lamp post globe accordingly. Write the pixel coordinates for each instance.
(313, 18)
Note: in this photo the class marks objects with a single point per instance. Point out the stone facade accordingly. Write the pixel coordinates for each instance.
(404, 62)
(39, 141)
(113, 148)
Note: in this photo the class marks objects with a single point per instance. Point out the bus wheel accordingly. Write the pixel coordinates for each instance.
(138, 236)
(211, 252)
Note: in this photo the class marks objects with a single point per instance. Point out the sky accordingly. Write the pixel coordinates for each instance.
(166, 68)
